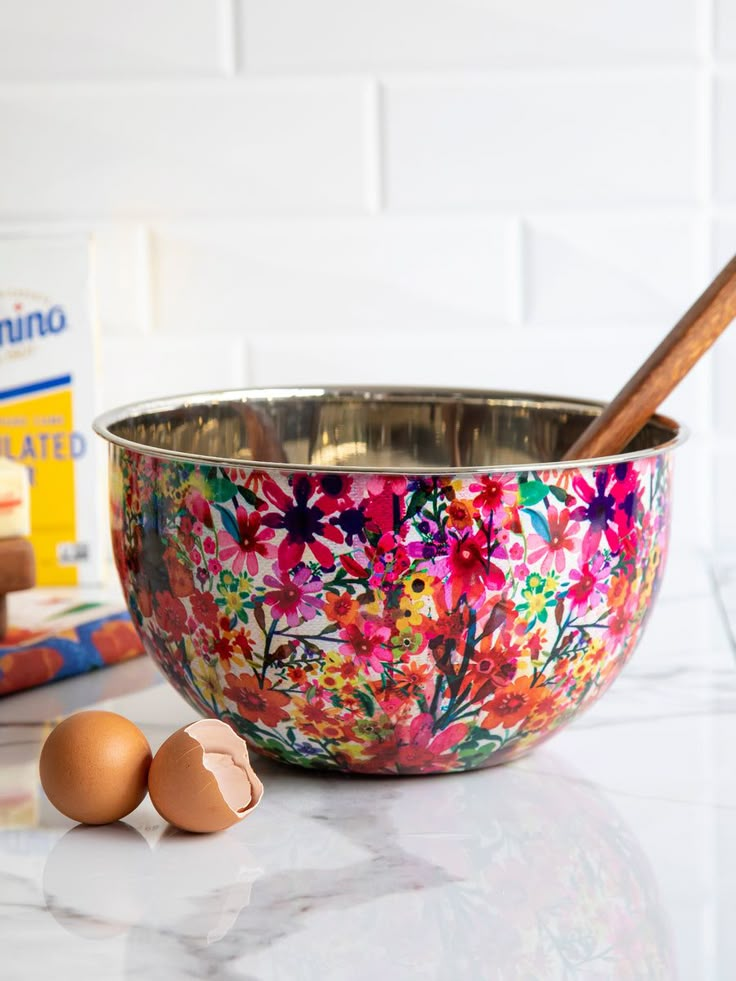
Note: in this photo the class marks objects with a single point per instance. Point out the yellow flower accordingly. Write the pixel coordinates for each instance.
(234, 603)
(417, 585)
(207, 682)
(536, 601)
(534, 580)
(411, 612)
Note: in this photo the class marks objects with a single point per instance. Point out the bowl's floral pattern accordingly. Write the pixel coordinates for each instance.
(389, 624)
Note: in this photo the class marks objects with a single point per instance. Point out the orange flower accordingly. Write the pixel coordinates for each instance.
(181, 579)
(255, 703)
(341, 608)
(618, 591)
(511, 704)
(116, 641)
(460, 514)
(413, 676)
(547, 707)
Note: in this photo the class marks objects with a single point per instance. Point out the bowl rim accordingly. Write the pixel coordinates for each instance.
(102, 426)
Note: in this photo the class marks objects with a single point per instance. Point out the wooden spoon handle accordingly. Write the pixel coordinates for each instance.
(685, 344)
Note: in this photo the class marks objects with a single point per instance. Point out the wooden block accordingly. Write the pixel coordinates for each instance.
(17, 565)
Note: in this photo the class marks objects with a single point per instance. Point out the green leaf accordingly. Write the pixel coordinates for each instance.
(558, 492)
(222, 489)
(532, 492)
(367, 702)
(247, 494)
(417, 502)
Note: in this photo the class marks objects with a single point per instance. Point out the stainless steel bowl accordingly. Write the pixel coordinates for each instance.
(385, 580)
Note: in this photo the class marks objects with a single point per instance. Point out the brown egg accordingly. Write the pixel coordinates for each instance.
(94, 767)
(201, 778)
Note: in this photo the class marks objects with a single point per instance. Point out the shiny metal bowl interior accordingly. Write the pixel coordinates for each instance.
(401, 430)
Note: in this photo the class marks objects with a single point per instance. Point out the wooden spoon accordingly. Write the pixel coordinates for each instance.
(686, 343)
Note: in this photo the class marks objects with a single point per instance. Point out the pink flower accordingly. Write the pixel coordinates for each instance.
(215, 566)
(247, 544)
(588, 581)
(195, 556)
(209, 546)
(551, 547)
(292, 597)
(200, 508)
(368, 643)
(393, 484)
(420, 750)
(516, 552)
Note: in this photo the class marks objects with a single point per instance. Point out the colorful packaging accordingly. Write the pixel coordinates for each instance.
(47, 399)
(56, 633)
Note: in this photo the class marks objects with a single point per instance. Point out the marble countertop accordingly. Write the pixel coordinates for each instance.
(609, 853)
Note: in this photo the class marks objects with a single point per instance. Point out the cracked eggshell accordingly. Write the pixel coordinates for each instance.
(201, 779)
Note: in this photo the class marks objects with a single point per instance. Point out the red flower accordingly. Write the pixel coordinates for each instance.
(495, 491)
(259, 704)
(415, 749)
(204, 609)
(171, 615)
(471, 571)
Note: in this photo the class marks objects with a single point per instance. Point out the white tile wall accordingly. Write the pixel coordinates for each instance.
(342, 35)
(109, 39)
(725, 28)
(725, 136)
(599, 269)
(336, 277)
(190, 148)
(154, 367)
(545, 140)
(522, 195)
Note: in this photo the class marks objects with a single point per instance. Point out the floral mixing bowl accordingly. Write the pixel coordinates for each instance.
(385, 581)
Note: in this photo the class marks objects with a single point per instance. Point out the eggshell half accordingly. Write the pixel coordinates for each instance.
(94, 767)
(201, 779)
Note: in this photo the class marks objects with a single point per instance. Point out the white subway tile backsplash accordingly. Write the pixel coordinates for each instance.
(724, 137)
(338, 277)
(162, 365)
(108, 39)
(120, 264)
(213, 149)
(725, 28)
(122, 278)
(547, 140)
(345, 35)
(596, 270)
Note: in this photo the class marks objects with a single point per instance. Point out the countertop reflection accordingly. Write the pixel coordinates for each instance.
(608, 854)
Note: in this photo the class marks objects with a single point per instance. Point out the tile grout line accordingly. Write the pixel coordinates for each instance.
(375, 147)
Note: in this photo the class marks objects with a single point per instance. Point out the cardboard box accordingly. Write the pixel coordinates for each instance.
(48, 399)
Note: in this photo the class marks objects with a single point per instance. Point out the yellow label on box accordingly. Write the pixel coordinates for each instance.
(47, 399)
(37, 430)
